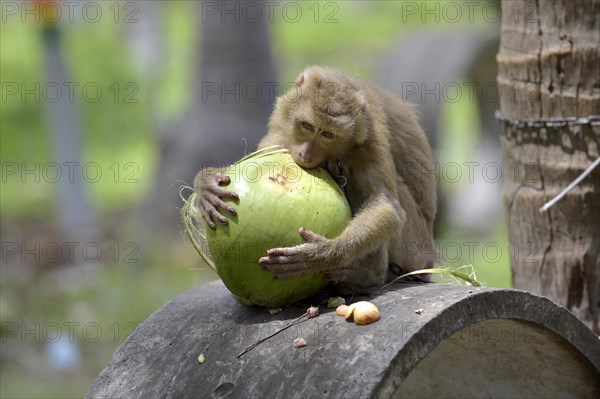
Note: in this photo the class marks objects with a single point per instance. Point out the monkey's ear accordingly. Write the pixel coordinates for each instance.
(362, 101)
(300, 80)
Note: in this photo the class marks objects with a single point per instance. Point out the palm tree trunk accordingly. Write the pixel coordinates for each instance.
(549, 68)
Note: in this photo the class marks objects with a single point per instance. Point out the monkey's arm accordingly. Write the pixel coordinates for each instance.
(378, 219)
(209, 193)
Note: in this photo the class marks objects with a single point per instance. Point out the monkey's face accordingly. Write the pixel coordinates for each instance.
(319, 136)
(323, 117)
(312, 144)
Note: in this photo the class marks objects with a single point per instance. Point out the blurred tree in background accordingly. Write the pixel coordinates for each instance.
(228, 103)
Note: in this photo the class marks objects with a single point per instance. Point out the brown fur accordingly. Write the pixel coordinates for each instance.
(387, 162)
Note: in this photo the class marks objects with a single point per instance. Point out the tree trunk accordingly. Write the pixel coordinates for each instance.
(233, 100)
(549, 68)
(75, 213)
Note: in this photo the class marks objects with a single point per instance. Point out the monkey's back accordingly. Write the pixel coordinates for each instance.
(411, 152)
(409, 147)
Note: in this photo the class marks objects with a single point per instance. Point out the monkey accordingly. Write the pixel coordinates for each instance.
(373, 139)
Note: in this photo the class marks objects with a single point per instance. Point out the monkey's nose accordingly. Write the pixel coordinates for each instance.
(303, 162)
(305, 158)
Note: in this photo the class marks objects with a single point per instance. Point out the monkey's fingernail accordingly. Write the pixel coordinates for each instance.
(224, 221)
(232, 211)
(212, 225)
(234, 196)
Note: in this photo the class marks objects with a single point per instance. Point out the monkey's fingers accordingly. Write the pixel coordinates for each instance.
(207, 219)
(209, 212)
(279, 263)
(284, 252)
(309, 236)
(223, 180)
(271, 262)
(216, 202)
(222, 193)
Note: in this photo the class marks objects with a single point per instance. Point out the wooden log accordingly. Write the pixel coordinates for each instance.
(432, 341)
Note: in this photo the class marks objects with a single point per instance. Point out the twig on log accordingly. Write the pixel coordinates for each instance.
(311, 312)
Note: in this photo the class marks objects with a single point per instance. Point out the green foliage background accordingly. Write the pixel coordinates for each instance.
(121, 295)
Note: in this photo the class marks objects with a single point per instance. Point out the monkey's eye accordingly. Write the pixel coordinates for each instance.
(328, 135)
(307, 126)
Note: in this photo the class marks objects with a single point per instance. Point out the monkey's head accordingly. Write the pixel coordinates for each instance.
(322, 117)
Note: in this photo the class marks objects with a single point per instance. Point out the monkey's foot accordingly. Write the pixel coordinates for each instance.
(348, 289)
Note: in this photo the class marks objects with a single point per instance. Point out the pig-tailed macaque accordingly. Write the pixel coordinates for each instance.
(333, 120)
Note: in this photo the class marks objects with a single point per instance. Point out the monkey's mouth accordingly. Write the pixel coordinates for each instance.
(307, 164)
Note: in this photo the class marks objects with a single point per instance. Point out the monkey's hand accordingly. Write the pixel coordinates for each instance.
(208, 186)
(315, 255)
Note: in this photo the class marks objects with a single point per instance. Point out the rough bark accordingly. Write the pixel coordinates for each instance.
(549, 68)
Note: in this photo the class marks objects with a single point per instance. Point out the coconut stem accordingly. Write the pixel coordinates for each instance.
(189, 228)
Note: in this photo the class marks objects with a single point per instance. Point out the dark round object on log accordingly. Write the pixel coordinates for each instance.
(432, 341)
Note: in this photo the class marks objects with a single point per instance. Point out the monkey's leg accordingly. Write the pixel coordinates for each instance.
(412, 247)
(409, 255)
(368, 271)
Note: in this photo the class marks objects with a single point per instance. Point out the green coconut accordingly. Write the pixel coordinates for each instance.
(276, 198)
